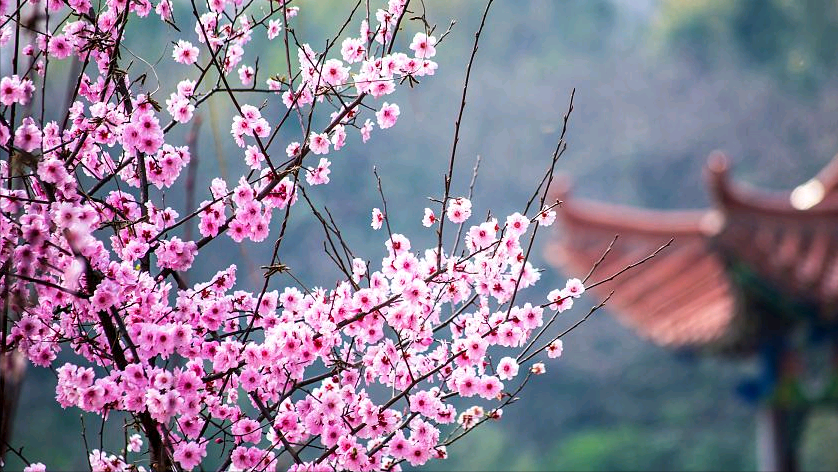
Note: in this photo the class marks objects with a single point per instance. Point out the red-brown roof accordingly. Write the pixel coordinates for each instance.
(685, 296)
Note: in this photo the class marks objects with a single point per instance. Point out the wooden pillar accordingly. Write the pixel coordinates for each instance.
(776, 440)
(782, 414)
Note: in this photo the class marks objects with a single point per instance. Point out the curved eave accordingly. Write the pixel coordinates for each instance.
(791, 247)
(736, 196)
(658, 299)
(622, 218)
(684, 296)
(828, 176)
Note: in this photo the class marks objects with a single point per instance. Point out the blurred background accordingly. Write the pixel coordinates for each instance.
(660, 84)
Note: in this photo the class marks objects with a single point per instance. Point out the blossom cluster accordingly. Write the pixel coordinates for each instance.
(360, 374)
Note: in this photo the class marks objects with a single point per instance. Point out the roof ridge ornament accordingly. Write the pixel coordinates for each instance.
(718, 165)
(807, 195)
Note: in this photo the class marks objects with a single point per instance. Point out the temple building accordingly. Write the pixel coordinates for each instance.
(754, 276)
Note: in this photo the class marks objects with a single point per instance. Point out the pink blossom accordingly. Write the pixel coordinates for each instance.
(470, 417)
(387, 115)
(380, 87)
(185, 53)
(353, 50)
(365, 130)
(320, 174)
(418, 455)
(293, 149)
(135, 443)
(15, 90)
(190, 454)
(555, 349)
(176, 254)
(334, 73)
(490, 387)
(319, 143)
(428, 68)
(459, 210)
(282, 195)
(546, 217)
(429, 219)
(359, 269)
(180, 108)
(201, 356)
(517, 224)
(253, 157)
(28, 136)
(246, 75)
(59, 47)
(468, 385)
(423, 45)
(4, 135)
(482, 236)
(574, 288)
(507, 368)
(339, 137)
(377, 218)
(164, 9)
(559, 300)
(274, 27)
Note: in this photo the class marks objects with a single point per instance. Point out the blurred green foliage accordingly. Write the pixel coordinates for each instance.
(792, 40)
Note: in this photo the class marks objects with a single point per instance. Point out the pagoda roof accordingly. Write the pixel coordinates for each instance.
(734, 273)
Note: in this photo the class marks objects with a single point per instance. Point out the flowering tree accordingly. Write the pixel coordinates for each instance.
(358, 376)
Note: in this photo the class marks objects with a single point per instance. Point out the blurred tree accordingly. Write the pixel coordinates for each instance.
(787, 39)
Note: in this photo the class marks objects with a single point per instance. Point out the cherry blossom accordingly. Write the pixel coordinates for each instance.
(546, 217)
(15, 90)
(538, 368)
(377, 218)
(507, 368)
(459, 210)
(246, 75)
(555, 349)
(274, 27)
(185, 53)
(429, 219)
(320, 174)
(319, 143)
(423, 46)
(387, 115)
(560, 300)
(361, 372)
(574, 287)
